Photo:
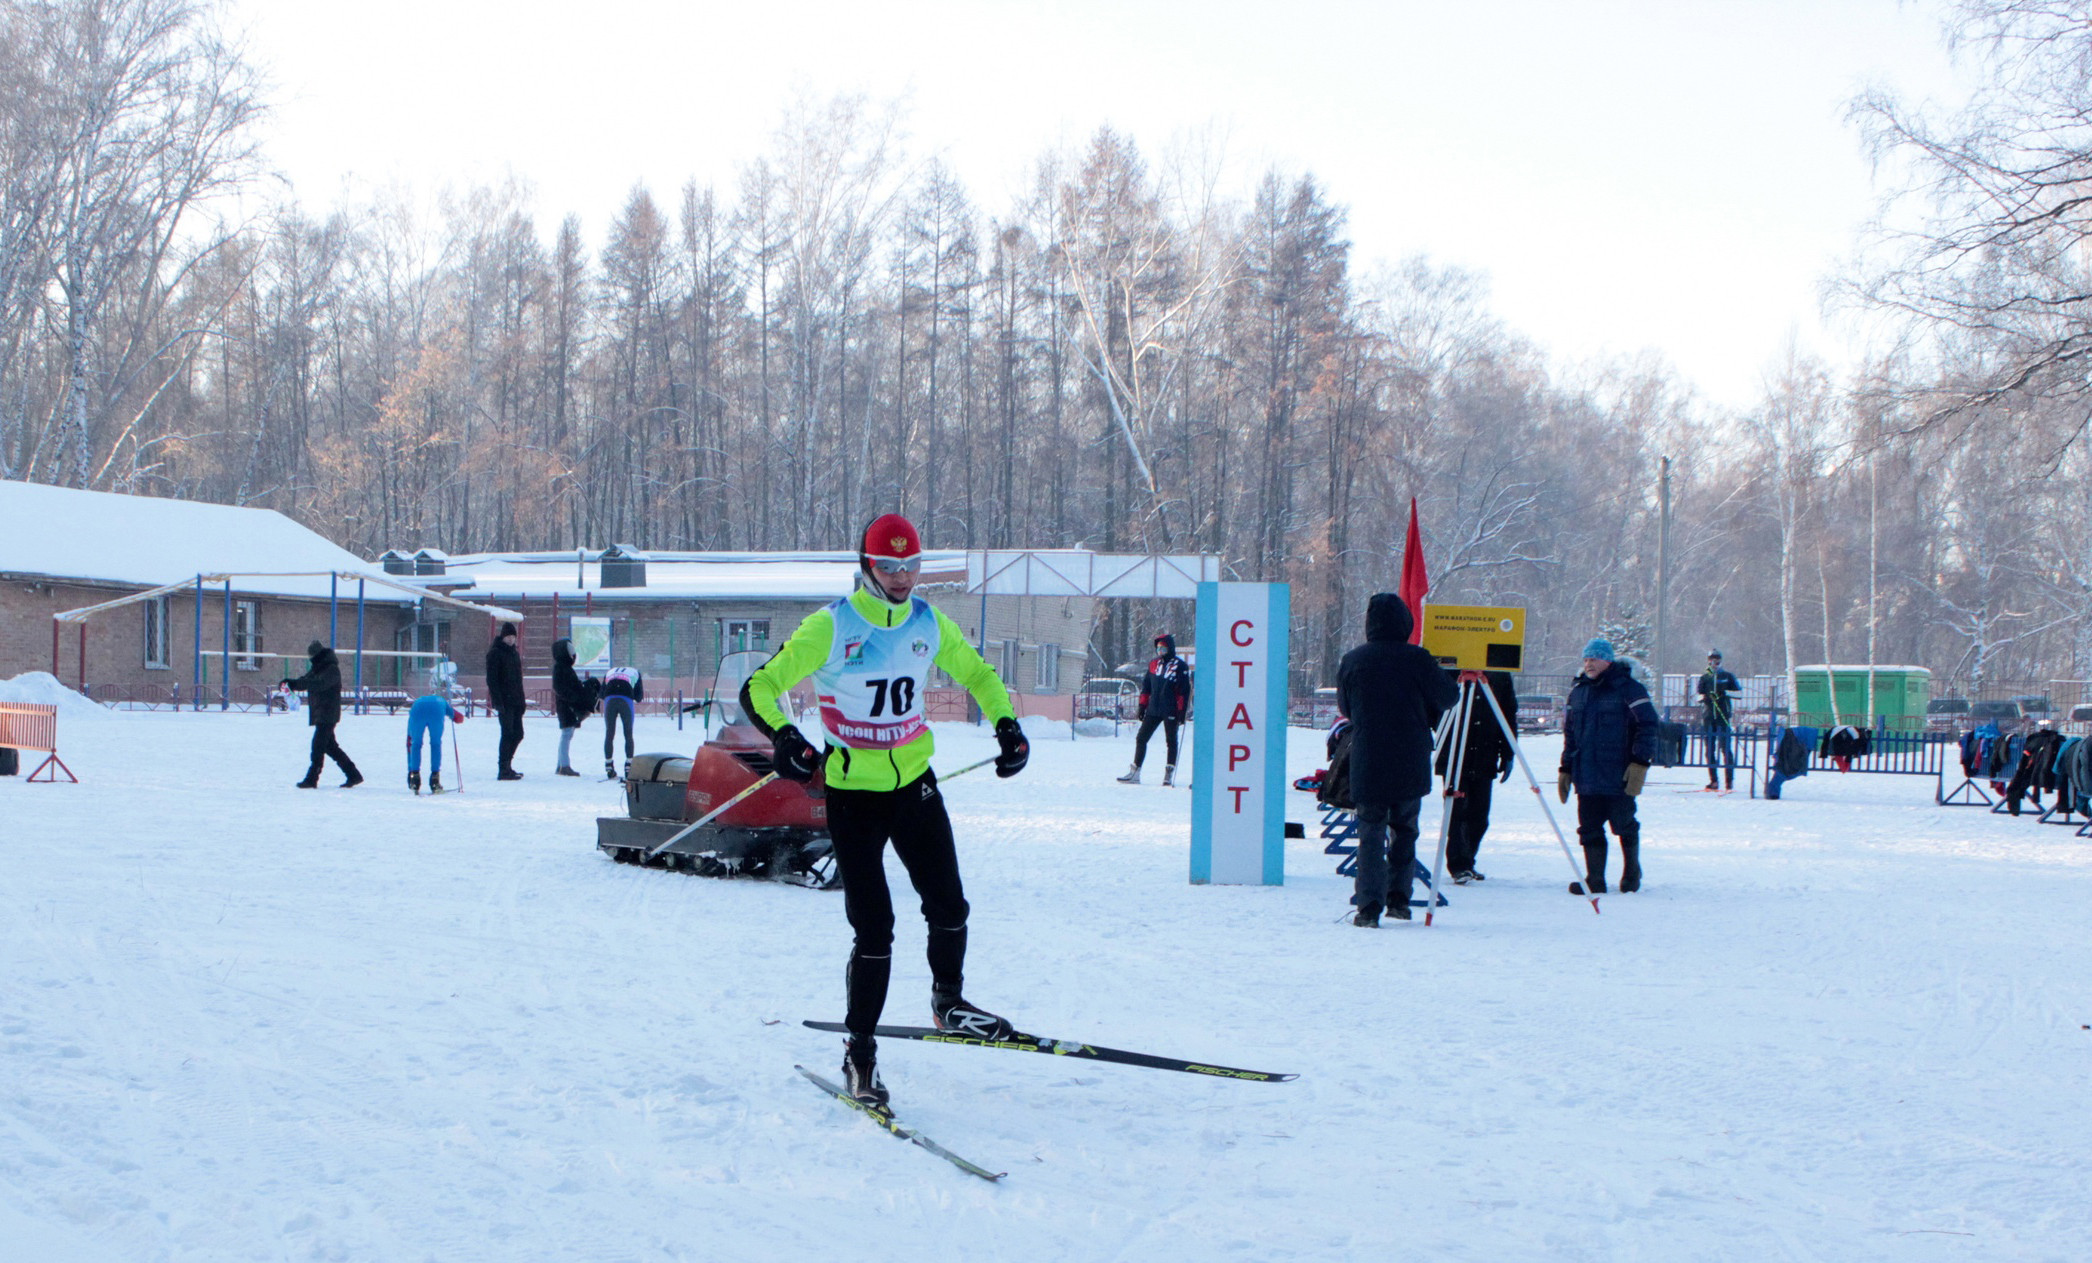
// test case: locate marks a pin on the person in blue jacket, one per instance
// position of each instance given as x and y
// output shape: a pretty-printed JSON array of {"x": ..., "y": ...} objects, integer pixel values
[
  {"x": 1608, "y": 743},
  {"x": 425, "y": 720}
]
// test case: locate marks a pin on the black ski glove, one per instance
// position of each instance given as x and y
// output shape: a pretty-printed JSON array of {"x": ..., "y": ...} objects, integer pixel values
[
  {"x": 1016, "y": 751},
  {"x": 793, "y": 756},
  {"x": 1505, "y": 763}
]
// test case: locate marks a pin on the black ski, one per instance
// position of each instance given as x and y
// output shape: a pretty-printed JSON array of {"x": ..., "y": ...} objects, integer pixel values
[
  {"x": 885, "y": 1118},
  {"x": 1065, "y": 1048}
]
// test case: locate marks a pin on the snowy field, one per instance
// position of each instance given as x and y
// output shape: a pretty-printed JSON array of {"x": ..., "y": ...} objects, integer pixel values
[{"x": 246, "y": 1022}]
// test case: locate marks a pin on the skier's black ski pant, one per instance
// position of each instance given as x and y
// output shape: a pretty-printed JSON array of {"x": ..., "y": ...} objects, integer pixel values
[
  {"x": 325, "y": 747},
  {"x": 1147, "y": 729},
  {"x": 616, "y": 709},
  {"x": 861, "y": 822},
  {"x": 511, "y": 735},
  {"x": 1469, "y": 822}
]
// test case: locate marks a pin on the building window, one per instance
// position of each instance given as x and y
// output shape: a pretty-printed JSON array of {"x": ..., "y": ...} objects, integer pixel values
[
  {"x": 1049, "y": 670},
  {"x": 743, "y": 634},
  {"x": 159, "y": 654},
  {"x": 246, "y": 634},
  {"x": 1008, "y": 669}
]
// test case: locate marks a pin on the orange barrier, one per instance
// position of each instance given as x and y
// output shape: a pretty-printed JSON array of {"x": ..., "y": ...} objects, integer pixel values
[{"x": 28, "y": 726}]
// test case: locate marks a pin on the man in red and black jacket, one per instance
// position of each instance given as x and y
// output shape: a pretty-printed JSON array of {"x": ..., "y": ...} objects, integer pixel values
[{"x": 1165, "y": 698}]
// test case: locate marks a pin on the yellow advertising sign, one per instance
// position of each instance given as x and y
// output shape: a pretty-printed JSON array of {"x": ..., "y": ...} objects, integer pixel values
[{"x": 1475, "y": 637}]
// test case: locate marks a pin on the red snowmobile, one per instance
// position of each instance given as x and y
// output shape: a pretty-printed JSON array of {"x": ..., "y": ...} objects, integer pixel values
[{"x": 780, "y": 832}]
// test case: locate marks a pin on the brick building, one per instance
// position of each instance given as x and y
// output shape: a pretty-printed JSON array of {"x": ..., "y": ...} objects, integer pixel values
[
  {"x": 675, "y": 614},
  {"x": 62, "y": 549}
]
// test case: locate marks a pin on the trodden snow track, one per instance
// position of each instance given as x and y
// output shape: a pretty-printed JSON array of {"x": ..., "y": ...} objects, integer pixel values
[{"x": 246, "y": 1022}]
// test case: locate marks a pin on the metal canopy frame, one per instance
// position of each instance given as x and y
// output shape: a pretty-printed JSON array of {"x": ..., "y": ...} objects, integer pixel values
[{"x": 1079, "y": 572}]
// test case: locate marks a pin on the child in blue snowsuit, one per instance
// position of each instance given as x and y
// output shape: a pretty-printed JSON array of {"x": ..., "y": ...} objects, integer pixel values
[{"x": 425, "y": 719}]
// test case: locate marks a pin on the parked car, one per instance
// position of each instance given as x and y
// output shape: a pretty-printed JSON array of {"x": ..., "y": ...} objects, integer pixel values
[
  {"x": 2006, "y": 714},
  {"x": 1946, "y": 714},
  {"x": 2034, "y": 707},
  {"x": 1539, "y": 712},
  {"x": 2081, "y": 718},
  {"x": 1108, "y": 697}
]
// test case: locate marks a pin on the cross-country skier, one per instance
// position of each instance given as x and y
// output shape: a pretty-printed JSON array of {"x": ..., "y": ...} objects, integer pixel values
[
  {"x": 573, "y": 698},
  {"x": 623, "y": 690},
  {"x": 1718, "y": 690},
  {"x": 322, "y": 687},
  {"x": 1165, "y": 698},
  {"x": 425, "y": 719},
  {"x": 870, "y": 655}
]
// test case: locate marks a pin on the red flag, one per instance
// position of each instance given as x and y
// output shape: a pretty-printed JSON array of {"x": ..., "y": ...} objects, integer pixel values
[{"x": 1415, "y": 583}]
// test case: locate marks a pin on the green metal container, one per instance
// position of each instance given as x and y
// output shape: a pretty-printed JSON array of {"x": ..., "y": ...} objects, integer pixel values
[{"x": 1837, "y": 694}]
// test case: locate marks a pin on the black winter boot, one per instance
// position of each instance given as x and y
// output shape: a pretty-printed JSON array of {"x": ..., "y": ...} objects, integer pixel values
[
  {"x": 861, "y": 1072},
  {"x": 1367, "y": 917},
  {"x": 1594, "y": 870},
  {"x": 1630, "y": 865}
]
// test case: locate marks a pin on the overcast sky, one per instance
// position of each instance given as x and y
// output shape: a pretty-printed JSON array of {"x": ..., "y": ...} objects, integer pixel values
[{"x": 1672, "y": 175}]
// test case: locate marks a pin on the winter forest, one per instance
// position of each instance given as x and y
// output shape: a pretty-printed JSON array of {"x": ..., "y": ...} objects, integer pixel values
[{"x": 1136, "y": 355}]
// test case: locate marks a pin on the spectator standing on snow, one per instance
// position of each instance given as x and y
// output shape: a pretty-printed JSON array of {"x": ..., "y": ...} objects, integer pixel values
[
  {"x": 573, "y": 698},
  {"x": 505, "y": 695},
  {"x": 425, "y": 720},
  {"x": 1393, "y": 693},
  {"x": 623, "y": 690},
  {"x": 322, "y": 688},
  {"x": 1488, "y": 759},
  {"x": 1608, "y": 743},
  {"x": 870, "y": 654},
  {"x": 1718, "y": 690},
  {"x": 1165, "y": 698}
]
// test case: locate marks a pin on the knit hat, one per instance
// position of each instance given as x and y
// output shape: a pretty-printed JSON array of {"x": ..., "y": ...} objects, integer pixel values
[
  {"x": 1599, "y": 647},
  {"x": 507, "y": 629}
]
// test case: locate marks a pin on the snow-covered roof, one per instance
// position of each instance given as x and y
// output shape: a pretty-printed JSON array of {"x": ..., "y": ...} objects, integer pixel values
[
  {"x": 61, "y": 533},
  {"x": 1861, "y": 666},
  {"x": 678, "y": 576}
]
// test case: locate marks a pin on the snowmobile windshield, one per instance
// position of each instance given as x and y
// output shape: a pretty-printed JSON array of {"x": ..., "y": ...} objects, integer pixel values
[{"x": 734, "y": 670}]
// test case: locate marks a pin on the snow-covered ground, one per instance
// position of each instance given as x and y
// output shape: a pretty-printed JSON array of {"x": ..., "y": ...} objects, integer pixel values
[{"x": 242, "y": 1021}]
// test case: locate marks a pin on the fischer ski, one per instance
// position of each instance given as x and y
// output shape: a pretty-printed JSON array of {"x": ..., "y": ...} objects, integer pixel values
[
  {"x": 894, "y": 1126},
  {"x": 1065, "y": 1048}
]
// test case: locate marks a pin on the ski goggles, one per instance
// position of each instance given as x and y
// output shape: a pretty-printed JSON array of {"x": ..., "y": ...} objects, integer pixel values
[{"x": 897, "y": 565}]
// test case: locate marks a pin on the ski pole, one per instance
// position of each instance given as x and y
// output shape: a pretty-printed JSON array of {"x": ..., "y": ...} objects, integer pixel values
[
  {"x": 457, "y": 760},
  {"x": 968, "y": 768},
  {"x": 710, "y": 816},
  {"x": 1540, "y": 797}
]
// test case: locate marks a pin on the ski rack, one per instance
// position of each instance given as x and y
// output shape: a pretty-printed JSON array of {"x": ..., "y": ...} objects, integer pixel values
[{"x": 1340, "y": 828}]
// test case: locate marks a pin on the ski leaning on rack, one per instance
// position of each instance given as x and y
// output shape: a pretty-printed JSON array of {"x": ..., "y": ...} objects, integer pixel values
[
  {"x": 1065, "y": 1048},
  {"x": 894, "y": 1126}
]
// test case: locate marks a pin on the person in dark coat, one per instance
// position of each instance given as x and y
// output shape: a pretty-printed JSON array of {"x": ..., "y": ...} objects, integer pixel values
[
  {"x": 1718, "y": 690},
  {"x": 1165, "y": 698},
  {"x": 1608, "y": 743},
  {"x": 322, "y": 688},
  {"x": 573, "y": 698},
  {"x": 1393, "y": 693},
  {"x": 505, "y": 695},
  {"x": 1488, "y": 759}
]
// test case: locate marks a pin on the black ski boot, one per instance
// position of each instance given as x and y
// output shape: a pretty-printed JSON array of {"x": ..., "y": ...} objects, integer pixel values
[
  {"x": 952, "y": 1013},
  {"x": 861, "y": 1072},
  {"x": 1594, "y": 868},
  {"x": 435, "y": 782},
  {"x": 609, "y": 770},
  {"x": 1367, "y": 917},
  {"x": 1630, "y": 866},
  {"x": 414, "y": 781}
]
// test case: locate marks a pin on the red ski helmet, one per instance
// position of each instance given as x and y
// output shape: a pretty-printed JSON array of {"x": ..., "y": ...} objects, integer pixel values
[{"x": 890, "y": 538}]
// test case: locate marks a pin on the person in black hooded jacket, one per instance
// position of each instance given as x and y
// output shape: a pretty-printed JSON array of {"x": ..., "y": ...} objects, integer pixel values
[
  {"x": 322, "y": 688},
  {"x": 1394, "y": 694},
  {"x": 573, "y": 698},
  {"x": 505, "y": 695}
]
